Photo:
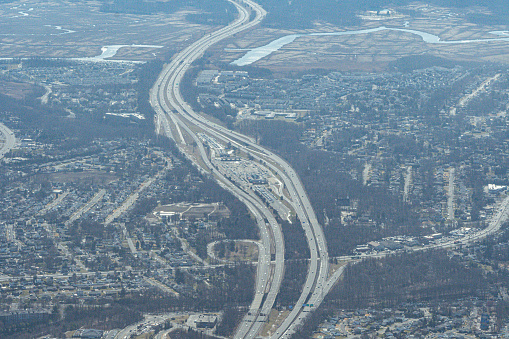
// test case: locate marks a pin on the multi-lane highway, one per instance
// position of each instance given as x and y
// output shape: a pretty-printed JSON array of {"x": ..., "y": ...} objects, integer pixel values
[
  {"x": 166, "y": 99},
  {"x": 9, "y": 140},
  {"x": 172, "y": 109},
  {"x": 178, "y": 120}
]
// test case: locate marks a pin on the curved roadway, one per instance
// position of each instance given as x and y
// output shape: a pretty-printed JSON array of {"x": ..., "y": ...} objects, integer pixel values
[
  {"x": 9, "y": 140},
  {"x": 168, "y": 102},
  {"x": 165, "y": 97},
  {"x": 169, "y": 105}
]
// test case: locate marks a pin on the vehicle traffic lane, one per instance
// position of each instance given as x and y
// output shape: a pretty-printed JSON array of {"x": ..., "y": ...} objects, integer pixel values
[
  {"x": 302, "y": 213},
  {"x": 9, "y": 140},
  {"x": 181, "y": 64},
  {"x": 175, "y": 81}
]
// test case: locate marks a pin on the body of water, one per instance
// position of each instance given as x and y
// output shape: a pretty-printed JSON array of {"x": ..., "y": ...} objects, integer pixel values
[
  {"x": 263, "y": 51},
  {"x": 111, "y": 51}
]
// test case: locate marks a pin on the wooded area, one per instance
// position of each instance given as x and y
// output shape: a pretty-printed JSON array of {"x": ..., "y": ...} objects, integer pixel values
[
  {"x": 420, "y": 276},
  {"x": 329, "y": 185}
]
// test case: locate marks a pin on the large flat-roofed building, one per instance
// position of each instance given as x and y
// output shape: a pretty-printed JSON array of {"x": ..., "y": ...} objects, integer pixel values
[
  {"x": 88, "y": 333},
  {"x": 202, "y": 320},
  {"x": 205, "y": 77}
]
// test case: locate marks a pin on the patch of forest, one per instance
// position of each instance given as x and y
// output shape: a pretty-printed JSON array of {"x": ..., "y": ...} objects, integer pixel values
[
  {"x": 423, "y": 61},
  {"x": 329, "y": 184},
  {"x": 293, "y": 281},
  {"x": 431, "y": 278},
  {"x": 409, "y": 277}
]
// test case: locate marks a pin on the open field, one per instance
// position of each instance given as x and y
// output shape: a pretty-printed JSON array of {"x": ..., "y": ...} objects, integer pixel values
[
  {"x": 16, "y": 90},
  {"x": 275, "y": 320},
  {"x": 60, "y": 28},
  {"x": 373, "y": 51},
  {"x": 96, "y": 177},
  {"x": 244, "y": 251}
]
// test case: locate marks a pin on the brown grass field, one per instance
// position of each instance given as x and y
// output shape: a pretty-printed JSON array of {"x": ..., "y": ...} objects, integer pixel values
[
  {"x": 29, "y": 28},
  {"x": 373, "y": 51}
]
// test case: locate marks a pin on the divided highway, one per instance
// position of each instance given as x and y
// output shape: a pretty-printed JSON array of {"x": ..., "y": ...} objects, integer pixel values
[
  {"x": 180, "y": 122},
  {"x": 9, "y": 142}
]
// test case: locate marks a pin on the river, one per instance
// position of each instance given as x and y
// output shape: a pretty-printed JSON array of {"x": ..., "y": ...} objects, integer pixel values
[{"x": 263, "y": 51}]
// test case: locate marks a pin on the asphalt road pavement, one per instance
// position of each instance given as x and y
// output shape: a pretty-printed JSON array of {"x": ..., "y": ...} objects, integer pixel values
[{"x": 9, "y": 140}]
